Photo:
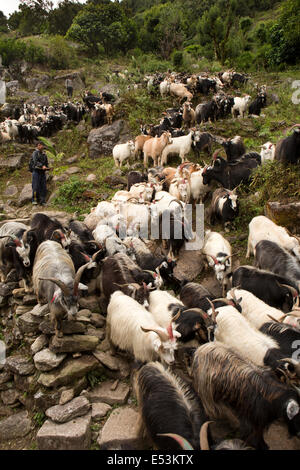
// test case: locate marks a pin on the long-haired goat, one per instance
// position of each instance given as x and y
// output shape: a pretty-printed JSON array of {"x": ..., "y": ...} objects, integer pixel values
[
  {"x": 55, "y": 282},
  {"x": 227, "y": 383},
  {"x": 166, "y": 405},
  {"x": 132, "y": 328}
]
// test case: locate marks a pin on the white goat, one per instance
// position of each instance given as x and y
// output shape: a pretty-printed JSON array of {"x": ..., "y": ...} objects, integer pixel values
[
  {"x": 132, "y": 328},
  {"x": 258, "y": 312},
  {"x": 197, "y": 188},
  {"x": 142, "y": 191},
  {"x": 159, "y": 301},
  {"x": 180, "y": 189},
  {"x": 164, "y": 88},
  {"x": 240, "y": 105},
  {"x": 107, "y": 236},
  {"x": 262, "y": 228},
  {"x": 180, "y": 146},
  {"x": 267, "y": 152},
  {"x": 235, "y": 331},
  {"x": 123, "y": 152},
  {"x": 218, "y": 254}
]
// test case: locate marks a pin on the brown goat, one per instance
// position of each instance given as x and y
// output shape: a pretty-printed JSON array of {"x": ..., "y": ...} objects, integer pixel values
[
  {"x": 139, "y": 144},
  {"x": 188, "y": 114},
  {"x": 154, "y": 147}
]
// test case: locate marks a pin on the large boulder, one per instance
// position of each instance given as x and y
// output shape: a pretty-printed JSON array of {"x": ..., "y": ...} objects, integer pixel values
[
  {"x": 287, "y": 215},
  {"x": 19, "y": 365},
  {"x": 26, "y": 195},
  {"x": 102, "y": 140},
  {"x": 13, "y": 162},
  {"x": 36, "y": 83},
  {"x": 12, "y": 87},
  {"x": 73, "y": 409},
  {"x": 73, "y": 343},
  {"x": 33, "y": 98},
  {"x": 106, "y": 392},
  {"x": 78, "y": 83}
]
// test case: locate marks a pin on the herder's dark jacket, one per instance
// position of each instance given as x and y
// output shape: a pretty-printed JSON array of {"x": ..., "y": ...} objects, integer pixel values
[{"x": 39, "y": 160}]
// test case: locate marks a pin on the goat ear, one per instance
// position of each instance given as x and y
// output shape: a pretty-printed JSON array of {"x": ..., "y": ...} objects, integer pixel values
[
  {"x": 82, "y": 286},
  {"x": 156, "y": 344},
  {"x": 176, "y": 334}
]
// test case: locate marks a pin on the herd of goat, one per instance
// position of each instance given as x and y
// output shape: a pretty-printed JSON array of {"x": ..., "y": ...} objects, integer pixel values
[{"x": 240, "y": 350}]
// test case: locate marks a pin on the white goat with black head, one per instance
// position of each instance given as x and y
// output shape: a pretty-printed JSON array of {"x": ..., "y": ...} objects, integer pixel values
[{"x": 218, "y": 254}]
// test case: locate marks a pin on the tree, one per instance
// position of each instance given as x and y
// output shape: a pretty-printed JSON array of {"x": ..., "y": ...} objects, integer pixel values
[
  {"x": 45, "y": 5},
  {"x": 285, "y": 35},
  {"x": 29, "y": 19},
  {"x": 162, "y": 30},
  {"x": 103, "y": 24},
  {"x": 3, "y": 23},
  {"x": 60, "y": 19},
  {"x": 215, "y": 26}
]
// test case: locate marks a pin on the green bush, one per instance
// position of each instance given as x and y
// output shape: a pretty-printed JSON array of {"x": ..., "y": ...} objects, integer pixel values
[
  {"x": 13, "y": 50},
  {"x": 245, "y": 61},
  {"x": 177, "y": 58},
  {"x": 59, "y": 54},
  {"x": 194, "y": 50},
  {"x": 70, "y": 195},
  {"x": 273, "y": 178},
  {"x": 149, "y": 63}
]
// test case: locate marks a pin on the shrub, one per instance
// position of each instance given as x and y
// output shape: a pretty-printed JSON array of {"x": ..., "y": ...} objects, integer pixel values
[
  {"x": 13, "y": 50},
  {"x": 245, "y": 61},
  {"x": 59, "y": 54},
  {"x": 70, "y": 195},
  {"x": 194, "y": 50},
  {"x": 177, "y": 58}
]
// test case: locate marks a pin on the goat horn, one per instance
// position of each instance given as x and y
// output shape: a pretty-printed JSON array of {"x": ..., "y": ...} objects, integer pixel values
[
  {"x": 176, "y": 316},
  {"x": 204, "y": 445},
  {"x": 78, "y": 276},
  {"x": 214, "y": 313},
  {"x": 58, "y": 282},
  {"x": 229, "y": 256},
  {"x": 293, "y": 291},
  {"x": 14, "y": 238},
  {"x": 295, "y": 125},
  {"x": 213, "y": 257},
  {"x": 95, "y": 255},
  {"x": 163, "y": 336},
  {"x": 279, "y": 320},
  {"x": 216, "y": 154},
  {"x": 184, "y": 444}
]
